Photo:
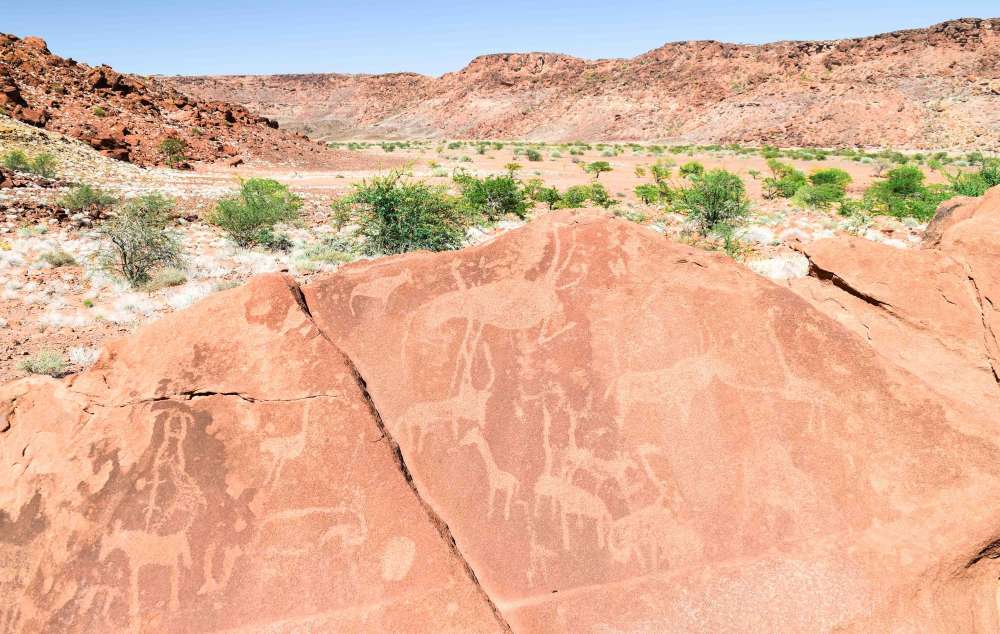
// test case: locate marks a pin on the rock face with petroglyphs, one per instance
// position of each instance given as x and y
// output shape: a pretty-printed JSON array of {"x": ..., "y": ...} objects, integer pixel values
[
  {"x": 223, "y": 469},
  {"x": 579, "y": 426}
]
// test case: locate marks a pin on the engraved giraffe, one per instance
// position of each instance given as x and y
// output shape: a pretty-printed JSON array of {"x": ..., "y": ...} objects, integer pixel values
[{"x": 499, "y": 480}]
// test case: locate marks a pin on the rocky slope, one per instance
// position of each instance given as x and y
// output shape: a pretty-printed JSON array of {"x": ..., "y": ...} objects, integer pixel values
[
  {"x": 127, "y": 117},
  {"x": 579, "y": 426},
  {"x": 925, "y": 88}
]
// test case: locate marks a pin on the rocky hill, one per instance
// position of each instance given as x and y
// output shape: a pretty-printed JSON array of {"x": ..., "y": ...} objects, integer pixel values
[
  {"x": 925, "y": 88},
  {"x": 579, "y": 426},
  {"x": 128, "y": 117}
]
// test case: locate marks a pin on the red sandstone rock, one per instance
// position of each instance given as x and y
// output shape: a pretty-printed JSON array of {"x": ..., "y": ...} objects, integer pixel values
[
  {"x": 934, "y": 311},
  {"x": 619, "y": 433},
  {"x": 630, "y": 435},
  {"x": 229, "y": 475},
  {"x": 74, "y": 99}
]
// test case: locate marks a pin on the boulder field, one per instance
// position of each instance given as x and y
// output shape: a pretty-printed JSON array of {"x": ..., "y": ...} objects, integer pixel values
[{"x": 579, "y": 426}]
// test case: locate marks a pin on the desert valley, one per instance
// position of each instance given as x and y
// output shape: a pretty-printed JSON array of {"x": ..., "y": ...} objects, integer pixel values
[{"x": 703, "y": 340}]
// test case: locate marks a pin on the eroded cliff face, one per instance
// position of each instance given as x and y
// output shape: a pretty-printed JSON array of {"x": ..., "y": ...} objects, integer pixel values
[
  {"x": 923, "y": 88},
  {"x": 579, "y": 426},
  {"x": 128, "y": 117}
]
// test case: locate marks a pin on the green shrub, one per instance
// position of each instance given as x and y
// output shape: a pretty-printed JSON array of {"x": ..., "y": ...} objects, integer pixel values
[
  {"x": 818, "y": 196},
  {"x": 903, "y": 194},
  {"x": 976, "y": 183},
  {"x": 574, "y": 197},
  {"x": 173, "y": 149},
  {"x": 46, "y": 362},
  {"x": 784, "y": 181},
  {"x": 717, "y": 197},
  {"x": 600, "y": 197},
  {"x": 990, "y": 172},
  {"x": 86, "y": 198},
  {"x": 136, "y": 240},
  {"x": 16, "y": 160},
  {"x": 44, "y": 165},
  {"x": 692, "y": 170},
  {"x": 99, "y": 111},
  {"x": 58, "y": 258},
  {"x": 249, "y": 217},
  {"x": 597, "y": 168},
  {"x": 647, "y": 193},
  {"x": 830, "y": 176},
  {"x": 533, "y": 155},
  {"x": 548, "y": 195},
  {"x": 396, "y": 216},
  {"x": 493, "y": 197},
  {"x": 968, "y": 184}
]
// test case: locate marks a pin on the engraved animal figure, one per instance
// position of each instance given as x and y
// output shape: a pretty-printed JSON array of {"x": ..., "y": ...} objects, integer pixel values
[{"x": 499, "y": 479}]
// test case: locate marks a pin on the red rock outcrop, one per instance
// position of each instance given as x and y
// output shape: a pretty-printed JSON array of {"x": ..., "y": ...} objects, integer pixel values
[
  {"x": 224, "y": 477},
  {"x": 579, "y": 426},
  {"x": 127, "y": 117},
  {"x": 934, "y": 87},
  {"x": 934, "y": 311}
]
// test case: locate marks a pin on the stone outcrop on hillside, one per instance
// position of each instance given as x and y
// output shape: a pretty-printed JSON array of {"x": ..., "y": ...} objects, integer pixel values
[
  {"x": 128, "y": 117},
  {"x": 929, "y": 88},
  {"x": 579, "y": 426}
]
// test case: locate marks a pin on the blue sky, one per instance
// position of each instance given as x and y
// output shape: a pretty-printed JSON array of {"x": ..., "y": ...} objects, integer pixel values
[{"x": 430, "y": 36}]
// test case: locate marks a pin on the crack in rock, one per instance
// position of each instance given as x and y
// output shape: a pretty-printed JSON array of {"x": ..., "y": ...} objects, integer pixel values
[{"x": 397, "y": 454}]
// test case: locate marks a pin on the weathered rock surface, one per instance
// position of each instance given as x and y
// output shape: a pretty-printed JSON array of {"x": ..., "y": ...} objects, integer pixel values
[
  {"x": 619, "y": 433},
  {"x": 934, "y": 311},
  {"x": 222, "y": 470},
  {"x": 935, "y": 87}
]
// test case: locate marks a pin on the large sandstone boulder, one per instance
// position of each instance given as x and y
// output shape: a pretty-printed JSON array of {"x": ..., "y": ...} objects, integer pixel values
[
  {"x": 629, "y": 435},
  {"x": 577, "y": 427},
  {"x": 934, "y": 311},
  {"x": 222, "y": 470}
]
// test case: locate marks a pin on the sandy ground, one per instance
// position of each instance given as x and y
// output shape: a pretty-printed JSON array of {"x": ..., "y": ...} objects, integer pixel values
[{"x": 71, "y": 309}]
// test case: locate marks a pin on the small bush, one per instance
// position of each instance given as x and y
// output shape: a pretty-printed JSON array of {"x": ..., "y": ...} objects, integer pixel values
[
  {"x": 173, "y": 149},
  {"x": 647, "y": 193},
  {"x": 165, "y": 278},
  {"x": 249, "y": 217},
  {"x": 784, "y": 181},
  {"x": 58, "y": 258},
  {"x": 16, "y": 160},
  {"x": 818, "y": 196},
  {"x": 137, "y": 240},
  {"x": 46, "y": 362},
  {"x": 597, "y": 168},
  {"x": 692, "y": 170},
  {"x": 717, "y": 197},
  {"x": 332, "y": 251},
  {"x": 968, "y": 184},
  {"x": 86, "y": 198},
  {"x": 903, "y": 194},
  {"x": 493, "y": 197},
  {"x": 99, "y": 112},
  {"x": 574, "y": 197},
  {"x": 533, "y": 155},
  {"x": 830, "y": 176},
  {"x": 599, "y": 196},
  {"x": 547, "y": 195},
  {"x": 396, "y": 216},
  {"x": 44, "y": 165}
]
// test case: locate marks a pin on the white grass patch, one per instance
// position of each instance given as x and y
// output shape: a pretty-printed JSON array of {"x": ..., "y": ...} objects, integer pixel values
[
  {"x": 84, "y": 356},
  {"x": 189, "y": 294}
]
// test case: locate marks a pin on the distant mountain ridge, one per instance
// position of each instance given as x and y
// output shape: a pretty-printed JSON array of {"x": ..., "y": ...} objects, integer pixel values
[{"x": 921, "y": 88}]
